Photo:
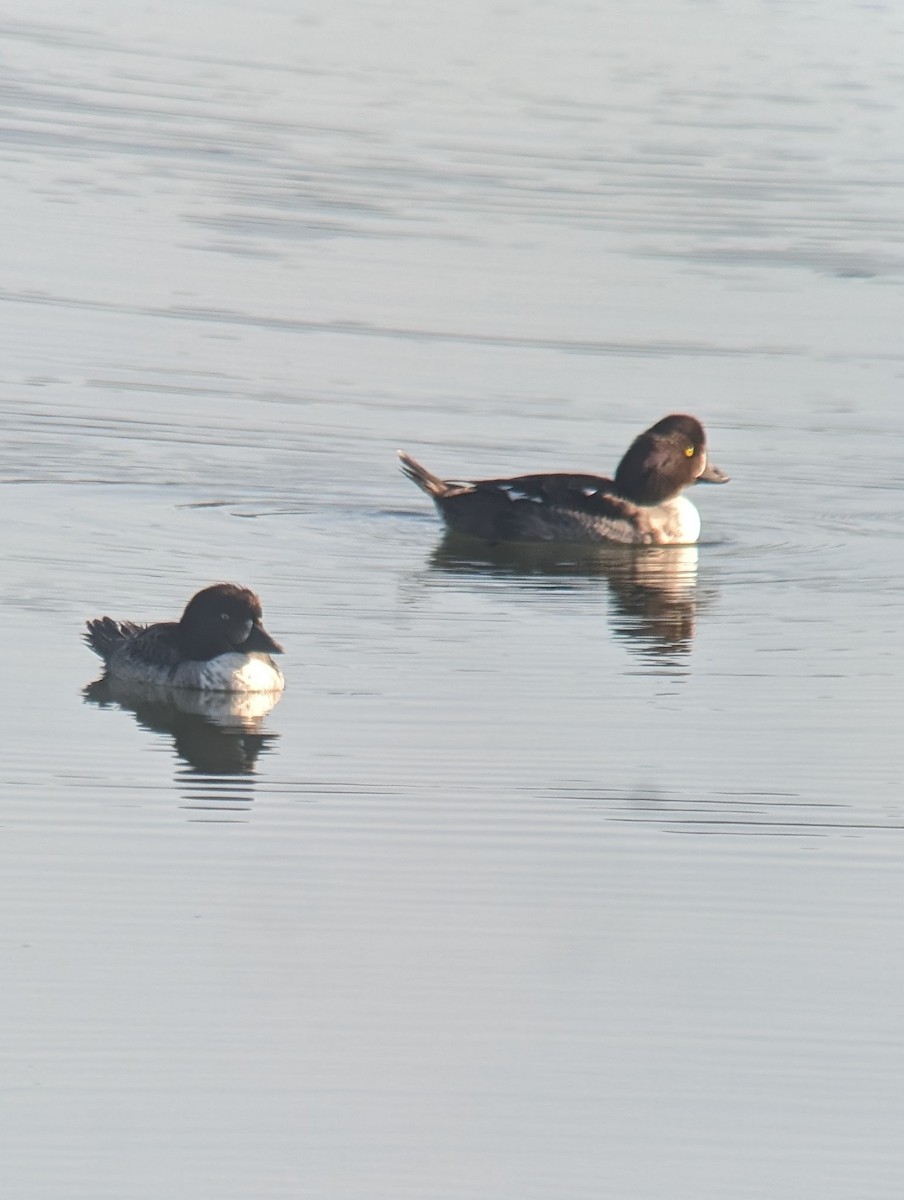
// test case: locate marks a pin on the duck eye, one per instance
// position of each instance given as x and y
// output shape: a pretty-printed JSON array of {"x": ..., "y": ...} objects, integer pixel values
[
  {"x": 689, "y": 452},
  {"x": 224, "y": 616}
]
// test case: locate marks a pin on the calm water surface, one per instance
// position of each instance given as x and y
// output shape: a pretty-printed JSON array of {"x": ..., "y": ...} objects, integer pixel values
[{"x": 549, "y": 876}]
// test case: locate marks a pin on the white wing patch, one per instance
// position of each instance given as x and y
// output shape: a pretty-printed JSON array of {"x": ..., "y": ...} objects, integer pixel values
[
  {"x": 589, "y": 491},
  {"x": 514, "y": 493}
]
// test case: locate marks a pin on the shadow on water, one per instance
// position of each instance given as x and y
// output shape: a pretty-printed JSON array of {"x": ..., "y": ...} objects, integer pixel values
[
  {"x": 653, "y": 588},
  {"x": 215, "y": 734}
]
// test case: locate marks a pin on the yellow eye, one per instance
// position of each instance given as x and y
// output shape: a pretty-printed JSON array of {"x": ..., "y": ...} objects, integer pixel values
[{"x": 689, "y": 452}]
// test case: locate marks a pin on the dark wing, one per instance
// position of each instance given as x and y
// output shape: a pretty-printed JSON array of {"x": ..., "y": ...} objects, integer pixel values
[
  {"x": 593, "y": 495},
  {"x": 154, "y": 644},
  {"x": 589, "y": 502}
]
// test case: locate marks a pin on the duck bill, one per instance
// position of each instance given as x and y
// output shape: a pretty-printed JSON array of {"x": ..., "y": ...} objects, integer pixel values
[
  {"x": 713, "y": 474},
  {"x": 259, "y": 639}
]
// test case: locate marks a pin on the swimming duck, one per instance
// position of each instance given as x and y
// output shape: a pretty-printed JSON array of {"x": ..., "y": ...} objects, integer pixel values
[
  {"x": 642, "y": 505},
  {"x": 219, "y": 644}
]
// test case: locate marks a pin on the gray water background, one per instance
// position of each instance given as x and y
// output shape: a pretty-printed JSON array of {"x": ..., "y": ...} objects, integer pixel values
[{"x": 546, "y": 878}]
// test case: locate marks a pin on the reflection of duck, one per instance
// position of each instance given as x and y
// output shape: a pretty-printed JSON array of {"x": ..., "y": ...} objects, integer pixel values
[
  {"x": 219, "y": 645},
  {"x": 216, "y": 733},
  {"x": 642, "y": 505},
  {"x": 654, "y": 588},
  {"x": 656, "y": 598}
]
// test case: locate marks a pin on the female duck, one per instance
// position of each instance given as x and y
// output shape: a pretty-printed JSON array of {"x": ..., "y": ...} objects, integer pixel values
[
  {"x": 642, "y": 505},
  {"x": 219, "y": 644}
]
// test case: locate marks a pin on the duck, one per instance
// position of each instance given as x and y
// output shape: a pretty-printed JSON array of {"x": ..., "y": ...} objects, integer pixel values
[
  {"x": 642, "y": 506},
  {"x": 219, "y": 644}
]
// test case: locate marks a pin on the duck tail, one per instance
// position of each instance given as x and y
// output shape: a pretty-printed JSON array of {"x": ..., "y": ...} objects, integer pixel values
[
  {"x": 427, "y": 482},
  {"x": 105, "y": 636}
]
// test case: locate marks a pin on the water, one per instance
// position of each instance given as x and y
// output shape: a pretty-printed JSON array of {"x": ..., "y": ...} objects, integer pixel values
[{"x": 548, "y": 876}]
